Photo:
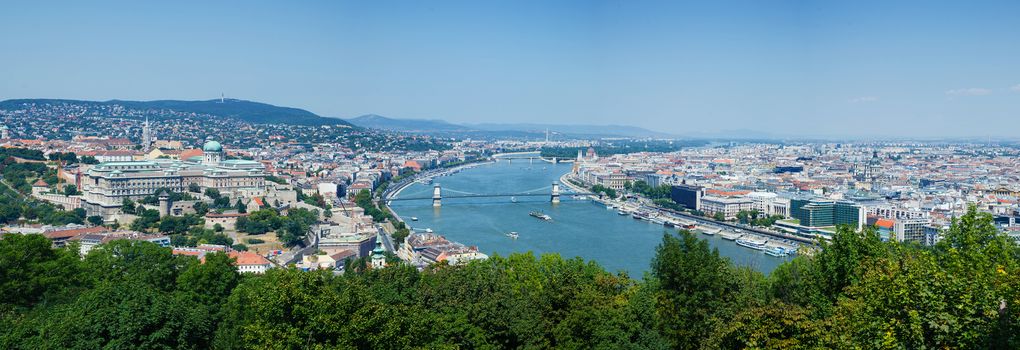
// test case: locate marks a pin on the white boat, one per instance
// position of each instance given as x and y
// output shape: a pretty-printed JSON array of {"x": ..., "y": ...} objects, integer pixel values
[
  {"x": 512, "y": 234},
  {"x": 513, "y": 199},
  {"x": 414, "y": 218},
  {"x": 730, "y": 236},
  {"x": 622, "y": 212},
  {"x": 778, "y": 252},
  {"x": 753, "y": 243},
  {"x": 428, "y": 230},
  {"x": 540, "y": 215},
  {"x": 710, "y": 231},
  {"x": 656, "y": 220}
]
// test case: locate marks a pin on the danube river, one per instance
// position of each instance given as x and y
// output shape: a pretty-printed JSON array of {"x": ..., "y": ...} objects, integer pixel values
[{"x": 579, "y": 228}]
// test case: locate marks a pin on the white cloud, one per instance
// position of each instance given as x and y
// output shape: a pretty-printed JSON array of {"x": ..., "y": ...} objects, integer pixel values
[
  {"x": 1015, "y": 88},
  {"x": 969, "y": 92},
  {"x": 863, "y": 99}
]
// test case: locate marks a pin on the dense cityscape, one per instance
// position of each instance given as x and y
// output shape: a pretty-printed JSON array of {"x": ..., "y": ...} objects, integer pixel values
[
  {"x": 510, "y": 175},
  {"x": 287, "y": 201}
]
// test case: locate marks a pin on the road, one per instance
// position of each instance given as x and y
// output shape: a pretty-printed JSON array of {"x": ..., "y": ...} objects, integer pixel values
[
  {"x": 292, "y": 256},
  {"x": 386, "y": 239}
]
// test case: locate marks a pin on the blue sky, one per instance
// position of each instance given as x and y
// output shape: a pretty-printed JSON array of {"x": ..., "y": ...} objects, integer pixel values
[{"x": 807, "y": 68}]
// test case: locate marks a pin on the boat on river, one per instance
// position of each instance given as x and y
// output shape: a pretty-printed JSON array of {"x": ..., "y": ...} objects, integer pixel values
[
  {"x": 730, "y": 236},
  {"x": 778, "y": 252},
  {"x": 540, "y": 215},
  {"x": 512, "y": 234},
  {"x": 414, "y": 218},
  {"x": 756, "y": 243},
  {"x": 710, "y": 231}
]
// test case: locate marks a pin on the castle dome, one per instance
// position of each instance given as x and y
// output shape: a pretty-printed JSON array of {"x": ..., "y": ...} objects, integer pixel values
[{"x": 212, "y": 146}]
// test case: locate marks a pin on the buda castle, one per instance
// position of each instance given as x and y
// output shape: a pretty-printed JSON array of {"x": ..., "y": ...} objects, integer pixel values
[{"x": 106, "y": 185}]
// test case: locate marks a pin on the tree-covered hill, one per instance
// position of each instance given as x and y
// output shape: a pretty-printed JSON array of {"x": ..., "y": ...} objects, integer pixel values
[
  {"x": 857, "y": 293},
  {"x": 249, "y": 111}
]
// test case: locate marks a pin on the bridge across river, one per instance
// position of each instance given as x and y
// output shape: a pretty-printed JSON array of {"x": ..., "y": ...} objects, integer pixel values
[{"x": 437, "y": 194}]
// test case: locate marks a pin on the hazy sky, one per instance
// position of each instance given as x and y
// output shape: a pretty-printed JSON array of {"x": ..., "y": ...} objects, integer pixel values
[{"x": 797, "y": 67}]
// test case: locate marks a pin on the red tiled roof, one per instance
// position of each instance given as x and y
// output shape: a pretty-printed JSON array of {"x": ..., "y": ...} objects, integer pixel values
[
  {"x": 190, "y": 153},
  {"x": 885, "y": 223},
  {"x": 249, "y": 258},
  {"x": 58, "y": 234},
  {"x": 40, "y": 183}
]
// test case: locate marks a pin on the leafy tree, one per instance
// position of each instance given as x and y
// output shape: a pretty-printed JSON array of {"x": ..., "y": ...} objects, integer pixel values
[
  {"x": 694, "y": 284},
  {"x": 201, "y": 208},
  {"x": 30, "y": 271},
  {"x": 212, "y": 193},
  {"x": 241, "y": 208},
  {"x": 719, "y": 216},
  {"x": 95, "y": 220},
  {"x": 71, "y": 190},
  {"x": 127, "y": 206}
]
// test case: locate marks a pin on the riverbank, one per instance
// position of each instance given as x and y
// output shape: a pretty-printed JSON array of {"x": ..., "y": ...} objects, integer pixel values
[
  {"x": 565, "y": 179},
  {"x": 579, "y": 228},
  {"x": 428, "y": 175}
]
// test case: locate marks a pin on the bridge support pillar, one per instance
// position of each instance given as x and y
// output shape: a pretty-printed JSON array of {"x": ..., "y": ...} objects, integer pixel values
[
  {"x": 437, "y": 197},
  {"x": 555, "y": 193}
]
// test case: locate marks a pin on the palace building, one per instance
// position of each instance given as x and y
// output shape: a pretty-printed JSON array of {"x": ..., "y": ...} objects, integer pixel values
[{"x": 106, "y": 185}]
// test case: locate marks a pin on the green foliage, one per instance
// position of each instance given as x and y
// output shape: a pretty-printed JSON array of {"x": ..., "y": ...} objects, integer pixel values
[
  {"x": 856, "y": 293},
  {"x": 23, "y": 153},
  {"x": 694, "y": 285},
  {"x": 364, "y": 200},
  {"x": 275, "y": 179},
  {"x": 290, "y": 229},
  {"x": 95, "y": 220},
  {"x": 401, "y": 234},
  {"x": 719, "y": 216},
  {"x": 609, "y": 192},
  {"x": 654, "y": 193},
  {"x": 153, "y": 198},
  {"x": 67, "y": 158},
  {"x": 30, "y": 271}
]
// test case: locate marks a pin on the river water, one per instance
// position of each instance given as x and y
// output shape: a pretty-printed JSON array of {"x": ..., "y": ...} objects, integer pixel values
[{"x": 579, "y": 228}]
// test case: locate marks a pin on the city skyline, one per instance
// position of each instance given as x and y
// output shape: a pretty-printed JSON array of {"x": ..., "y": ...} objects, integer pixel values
[{"x": 780, "y": 69}]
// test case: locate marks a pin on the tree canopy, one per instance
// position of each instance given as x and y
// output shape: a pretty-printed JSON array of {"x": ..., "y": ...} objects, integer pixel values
[{"x": 857, "y": 292}]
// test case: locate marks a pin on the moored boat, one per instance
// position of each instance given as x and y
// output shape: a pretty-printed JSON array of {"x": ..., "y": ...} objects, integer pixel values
[
  {"x": 709, "y": 231},
  {"x": 756, "y": 244},
  {"x": 730, "y": 236},
  {"x": 778, "y": 252}
]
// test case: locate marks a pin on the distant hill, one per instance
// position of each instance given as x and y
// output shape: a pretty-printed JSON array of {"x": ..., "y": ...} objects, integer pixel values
[
  {"x": 249, "y": 111},
  {"x": 585, "y": 130},
  {"x": 440, "y": 127},
  {"x": 406, "y": 125}
]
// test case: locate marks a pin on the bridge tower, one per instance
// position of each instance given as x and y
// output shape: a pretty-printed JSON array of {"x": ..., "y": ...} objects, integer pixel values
[
  {"x": 437, "y": 198},
  {"x": 555, "y": 193}
]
